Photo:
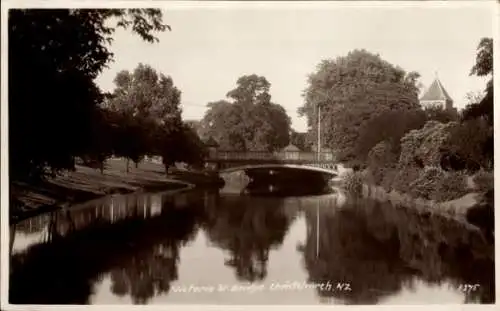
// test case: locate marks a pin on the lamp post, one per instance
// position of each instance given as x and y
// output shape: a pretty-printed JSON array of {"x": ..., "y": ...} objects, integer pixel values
[
  {"x": 326, "y": 97},
  {"x": 319, "y": 132}
]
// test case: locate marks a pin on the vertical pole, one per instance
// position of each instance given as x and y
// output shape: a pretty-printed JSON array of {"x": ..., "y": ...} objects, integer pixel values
[
  {"x": 319, "y": 133},
  {"x": 317, "y": 228},
  {"x": 12, "y": 237}
]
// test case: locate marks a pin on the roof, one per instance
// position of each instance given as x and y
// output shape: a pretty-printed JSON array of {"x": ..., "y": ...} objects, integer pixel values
[
  {"x": 436, "y": 92},
  {"x": 291, "y": 147}
]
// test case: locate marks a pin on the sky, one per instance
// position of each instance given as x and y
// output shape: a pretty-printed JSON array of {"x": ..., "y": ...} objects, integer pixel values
[{"x": 209, "y": 48}]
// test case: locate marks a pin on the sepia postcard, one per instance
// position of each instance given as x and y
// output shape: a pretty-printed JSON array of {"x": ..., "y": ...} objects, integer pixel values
[{"x": 223, "y": 154}]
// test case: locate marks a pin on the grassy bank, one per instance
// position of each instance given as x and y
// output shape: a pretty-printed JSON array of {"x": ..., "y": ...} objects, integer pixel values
[{"x": 87, "y": 183}]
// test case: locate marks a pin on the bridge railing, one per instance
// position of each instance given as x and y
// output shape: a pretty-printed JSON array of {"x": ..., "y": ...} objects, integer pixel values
[{"x": 262, "y": 155}]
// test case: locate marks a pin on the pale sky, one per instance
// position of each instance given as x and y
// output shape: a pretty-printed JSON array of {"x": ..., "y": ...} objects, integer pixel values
[{"x": 209, "y": 48}]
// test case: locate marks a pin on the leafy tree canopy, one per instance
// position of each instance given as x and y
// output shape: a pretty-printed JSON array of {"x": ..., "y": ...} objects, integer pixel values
[
  {"x": 300, "y": 140},
  {"x": 54, "y": 57},
  {"x": 147, "y": 94},
  {"x": 250, "y": 121},
  {"x": 483, "y": 67},
  {"x": 351, "y": 90}
]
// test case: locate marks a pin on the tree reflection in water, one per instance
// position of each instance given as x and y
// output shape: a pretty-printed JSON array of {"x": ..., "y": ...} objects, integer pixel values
[
  {"x": 380, "y": 249},
  {"x": 139, "y": 249},
  {"x": 248, "y": 228}
]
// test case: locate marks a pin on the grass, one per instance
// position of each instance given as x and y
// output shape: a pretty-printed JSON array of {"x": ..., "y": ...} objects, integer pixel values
[{"x": 87, "y": 183}]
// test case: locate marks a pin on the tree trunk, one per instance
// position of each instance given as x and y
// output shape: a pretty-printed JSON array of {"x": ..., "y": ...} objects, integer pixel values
[
  {"x": 12, "y": 237},
  {"x": 137, "y": 164},
  {"x": 128, "y": 161},
  {"x": 101, "y": 167}
]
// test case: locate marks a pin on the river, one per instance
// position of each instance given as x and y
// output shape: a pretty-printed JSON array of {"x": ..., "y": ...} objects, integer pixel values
[{"x": 202, "y": 247}]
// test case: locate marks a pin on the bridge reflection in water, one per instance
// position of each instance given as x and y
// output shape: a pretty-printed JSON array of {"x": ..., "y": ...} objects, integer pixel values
[
  {"x": 227, "y": 159},
  {"x": 142, "y": 248}
]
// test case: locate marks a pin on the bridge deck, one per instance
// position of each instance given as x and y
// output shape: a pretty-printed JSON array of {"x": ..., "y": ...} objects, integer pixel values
[{"x": 267, "y": 157}]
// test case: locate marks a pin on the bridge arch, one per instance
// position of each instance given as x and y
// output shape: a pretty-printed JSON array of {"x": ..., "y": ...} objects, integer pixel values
[{"x": 320, "y": 168}]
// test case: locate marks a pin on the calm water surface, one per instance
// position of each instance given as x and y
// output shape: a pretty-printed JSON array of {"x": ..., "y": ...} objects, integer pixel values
[{"x": 205, "y": 247}]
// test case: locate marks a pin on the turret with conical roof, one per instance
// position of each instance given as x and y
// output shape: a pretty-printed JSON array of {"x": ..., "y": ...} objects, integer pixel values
[{"x": 436, "y": 95}]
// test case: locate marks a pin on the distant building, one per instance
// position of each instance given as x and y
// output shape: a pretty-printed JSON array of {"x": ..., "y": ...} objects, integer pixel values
[
  {"x": 436, "y": 96},
  {"x": 326, "y": 153},
  {"x": 292, "y": 152}
]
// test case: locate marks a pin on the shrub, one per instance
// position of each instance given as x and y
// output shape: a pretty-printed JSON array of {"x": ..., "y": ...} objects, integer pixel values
[
  {"x": 426, "y": 144},
  {"x": 472, "y": 141},
  {"x": 381, "y": 155},
  {"x": 404, "y": 177},
  {"x": 353, "y": 182},
  {"x": 451, "y": 186},
  {"x": 484, "y": 181},
  {"x": 425, "y": 185}
]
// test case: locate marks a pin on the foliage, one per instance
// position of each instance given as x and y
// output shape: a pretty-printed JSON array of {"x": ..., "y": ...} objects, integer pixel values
[
  {"x": 105, "y": 134},
  {"x": 427, "y": 182},
  {"x": 451, "y": 186},
  {"x": 351, "y": 90},
  {"x": 146, "y": 94},
  {"x": 404, "y": 177},
  {"x": 484, "y": 58},
  {"x": 353, "y": 182},
  {"x": 191, "y": 149},
  {"x": 439, "y": 114},
  {"x": 484, "y": 180},
  {"x": 381, "y": 161},
  {"x": 51, "y": 109},
  {"x": 390, "y": 127},
  {"x": 132, "y": 137},
  {"x": 472, "y": 141},
  {"x": 149, "y": 104},
  {"x": 388, "y": 177},
  {"x": 300, "y": 141},
  {"x": 250, "y": 121},
  {"x": 483, "y": 67},
  {"x": 423, "y": 147},
  {"x": 381, "y": 155}
]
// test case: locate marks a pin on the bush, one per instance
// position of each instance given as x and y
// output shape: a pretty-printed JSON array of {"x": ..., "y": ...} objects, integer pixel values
[
  {"x": 353, "y": 182},
  {"x": 452, "y": 186},
  {"x": 425, "y": 185},
  {"x": 381, "y": 155},
  {"x": 404, "y": 177},
  {"x": 425, "y": 145},
  {"x": 484, "y": 181},
  {"x": 472, "y": 141}
]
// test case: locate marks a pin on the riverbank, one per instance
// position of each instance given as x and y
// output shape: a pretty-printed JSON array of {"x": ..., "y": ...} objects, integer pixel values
[
  {"x": 473, "y": 209},
  {"x": 87, "y": 183}
]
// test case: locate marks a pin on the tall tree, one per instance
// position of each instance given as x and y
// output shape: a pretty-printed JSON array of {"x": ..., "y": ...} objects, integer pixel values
[
  {"x": 388, "y": 128},
  {"x": 250, "y": 121},
  {"x": 51, "y": 108},
  {"x": 148, "y": 101},
  {"x": 299, "y": 140},
  {"x": 146, "y": 94},
  {"x": 351, "y": 90},
  {"x": 483, "y": 68}
]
